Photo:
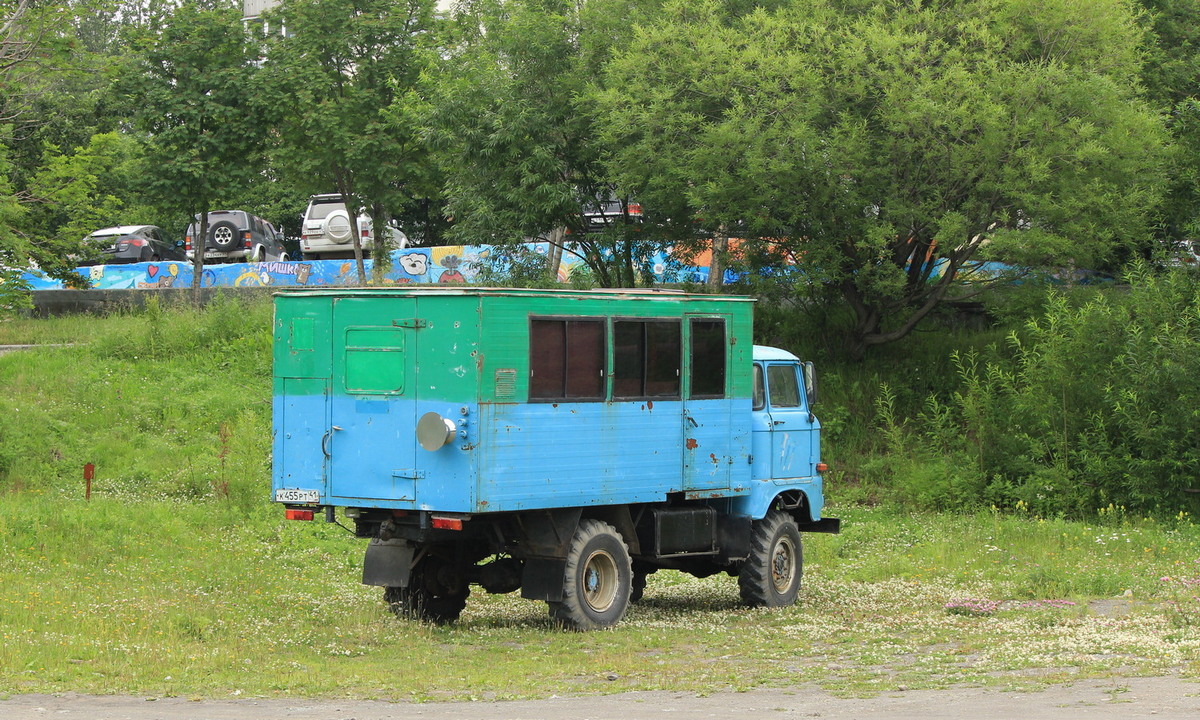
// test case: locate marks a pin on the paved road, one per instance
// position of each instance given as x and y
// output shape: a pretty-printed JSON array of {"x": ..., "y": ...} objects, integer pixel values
[{"x": 1119, "y": 699}]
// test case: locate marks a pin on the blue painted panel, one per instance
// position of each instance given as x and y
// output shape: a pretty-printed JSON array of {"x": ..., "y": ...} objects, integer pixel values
[
  {"x": 376, "y": 460},
  {"x": 715, "y": 444},
  {"x": 300, "y": 424},
  {"x": 568, "y": 454}
]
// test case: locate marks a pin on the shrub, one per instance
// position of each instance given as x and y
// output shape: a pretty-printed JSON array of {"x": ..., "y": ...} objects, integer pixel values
[{"x": 1088, "y": 407}]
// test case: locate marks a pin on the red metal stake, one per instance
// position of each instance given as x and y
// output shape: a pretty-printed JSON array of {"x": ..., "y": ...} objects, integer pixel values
[{"x": 89, "y": 472}]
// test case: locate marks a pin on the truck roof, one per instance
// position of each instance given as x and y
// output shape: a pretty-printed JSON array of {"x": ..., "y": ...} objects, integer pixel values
[
  {"x": 767, "y": 353},
  {"x": 459, "y": 290}
]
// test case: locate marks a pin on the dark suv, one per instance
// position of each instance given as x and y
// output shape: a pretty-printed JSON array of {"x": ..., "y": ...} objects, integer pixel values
[{"x": 237, "y": 235}]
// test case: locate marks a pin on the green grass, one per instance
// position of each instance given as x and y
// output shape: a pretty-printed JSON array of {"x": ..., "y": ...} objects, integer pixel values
[
  {"x": 206, "y": 599},
  {"x": 179, "y": 577}
]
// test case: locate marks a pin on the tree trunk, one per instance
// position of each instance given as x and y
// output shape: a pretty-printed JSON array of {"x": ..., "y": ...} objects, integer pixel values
[
  {"x": 381, "y": 244},
  {"x": 554, "y": 255},
  {"x": 355, "y": 232},
  {"x": 199, "y": 242},
  {"x": 716, "y": 267}
]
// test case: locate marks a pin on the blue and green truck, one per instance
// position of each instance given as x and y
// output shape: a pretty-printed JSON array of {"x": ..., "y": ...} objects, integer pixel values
[{"x": 563, "y": 443}]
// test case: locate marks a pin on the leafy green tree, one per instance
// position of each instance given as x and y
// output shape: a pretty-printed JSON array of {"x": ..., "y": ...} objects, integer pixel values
[
  {"x": 95, "y": 186},
  {"x": 204, "y": 116},
  {"x": 512, "y": 118},
  {"x": 883, "y": 147},
  {"x": 14, "y": 244},
  {"x": 336, "y": 79},
  {"x": 1171, "y": 76}
]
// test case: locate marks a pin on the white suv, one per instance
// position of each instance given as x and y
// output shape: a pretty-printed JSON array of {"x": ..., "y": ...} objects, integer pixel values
[{"x": 327, "y": 232}]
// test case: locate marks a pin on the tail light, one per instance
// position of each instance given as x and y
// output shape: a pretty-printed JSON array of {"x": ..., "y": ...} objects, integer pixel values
[
  {"x": 187, "y": 243},
  {"x": 635, "y": 209},
  {"x": 822, "y": 467},
  {"x": 300, "y": 514},
  {"x": 246, "y": 241},
  {"x": 138, "y": 242},
  {"x": 446, "y": 523}
]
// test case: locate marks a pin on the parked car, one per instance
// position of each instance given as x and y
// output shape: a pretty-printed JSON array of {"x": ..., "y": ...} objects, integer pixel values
[
  {"x": 237, "y": 235},
  {"x": 326, "y": 230},
  {"x": 606, "y": 213},
  {"x": 129, "y": 244}
]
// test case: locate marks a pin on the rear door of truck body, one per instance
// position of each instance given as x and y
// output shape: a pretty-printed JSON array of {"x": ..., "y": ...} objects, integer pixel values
[{"x": 371, "y": 443}]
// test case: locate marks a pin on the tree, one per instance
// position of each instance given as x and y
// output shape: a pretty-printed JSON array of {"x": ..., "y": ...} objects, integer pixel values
[
  {"x": 93, "y": 187},
  {"x": 336, "y": 80},
  {"x": 512, "y": 117},
  {"x": 203, "y": 114},
  {"x": 885, "y": 146},
  {"x": 1171, "y": 76}
]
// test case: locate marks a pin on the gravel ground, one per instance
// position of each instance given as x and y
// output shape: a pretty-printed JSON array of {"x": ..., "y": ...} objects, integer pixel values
[{"x": 1161, "y": 697}]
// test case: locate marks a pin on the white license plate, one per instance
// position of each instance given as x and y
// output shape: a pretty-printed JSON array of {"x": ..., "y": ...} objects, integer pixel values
[{"x": 297, "y": 496}]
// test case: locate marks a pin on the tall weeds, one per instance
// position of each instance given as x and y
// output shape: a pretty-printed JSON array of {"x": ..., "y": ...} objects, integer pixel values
[{"x": 1084, "y": 408}]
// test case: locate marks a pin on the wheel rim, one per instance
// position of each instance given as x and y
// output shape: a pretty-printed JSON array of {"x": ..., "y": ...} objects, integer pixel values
[
  {"x": 223, "y": 235},
  {"x": 783, "y": 565},
  {"x": 600, "y": 581}
]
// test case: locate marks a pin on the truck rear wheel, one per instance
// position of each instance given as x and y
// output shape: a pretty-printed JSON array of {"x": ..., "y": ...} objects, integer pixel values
[
  {"x": 427, "y": 599},
  {"x": 597, "y": 581},
  {"x": 770, "y": 577}
]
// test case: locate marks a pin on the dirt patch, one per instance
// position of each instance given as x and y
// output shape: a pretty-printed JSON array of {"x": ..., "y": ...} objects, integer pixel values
[{"x": 1118, "y": 699}]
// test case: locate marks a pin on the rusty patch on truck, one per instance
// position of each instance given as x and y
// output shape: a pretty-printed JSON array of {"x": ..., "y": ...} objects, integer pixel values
[
  {"x": 714, "y": 459},
  {"x": 692, "y": 444}
]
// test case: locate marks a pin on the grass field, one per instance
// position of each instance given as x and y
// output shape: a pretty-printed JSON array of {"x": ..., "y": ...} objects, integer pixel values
[{"x": 179, "y": 577}]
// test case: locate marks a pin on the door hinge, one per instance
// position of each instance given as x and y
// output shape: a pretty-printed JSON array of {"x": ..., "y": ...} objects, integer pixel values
[{"x": 413, "y": 323}]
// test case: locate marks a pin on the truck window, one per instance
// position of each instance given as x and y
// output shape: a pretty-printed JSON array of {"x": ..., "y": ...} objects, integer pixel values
[
  {"x": 760, "y": 391},
  {"x": 707, "y": 368},
  {"x": 646, "y": 358},
  {"x": 566, "y": 359},
  {"x": 785, "y": 391}
]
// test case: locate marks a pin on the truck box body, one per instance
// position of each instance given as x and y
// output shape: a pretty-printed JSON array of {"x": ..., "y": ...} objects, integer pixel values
[{"x": 466, "y": 356}]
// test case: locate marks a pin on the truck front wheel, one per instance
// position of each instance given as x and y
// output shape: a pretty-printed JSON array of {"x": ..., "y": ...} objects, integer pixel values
[
  {"x": 770, "y": 576},
  {"x": 597, "y": 581}
]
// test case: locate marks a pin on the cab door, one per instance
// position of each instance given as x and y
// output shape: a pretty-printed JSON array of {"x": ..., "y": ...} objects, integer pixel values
[{"x": 793, "y": 427}]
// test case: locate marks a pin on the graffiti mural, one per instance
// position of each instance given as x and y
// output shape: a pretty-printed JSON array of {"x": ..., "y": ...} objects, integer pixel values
[
  {"x": 454, "y": 264},
  {"x": 446, "y": 265}
]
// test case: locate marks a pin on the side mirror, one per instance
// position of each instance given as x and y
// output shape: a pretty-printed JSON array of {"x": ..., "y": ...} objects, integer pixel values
[{"x": 810, "y": 382}]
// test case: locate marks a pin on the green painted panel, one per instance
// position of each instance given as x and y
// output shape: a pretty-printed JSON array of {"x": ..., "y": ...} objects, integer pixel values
[
  {"x": 464, "y": 344},
  {"x": 302, "y": 337}
]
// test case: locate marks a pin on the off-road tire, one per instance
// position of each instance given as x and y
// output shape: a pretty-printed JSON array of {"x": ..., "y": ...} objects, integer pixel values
[
  {"x": 223, "y": 235},
  {"x": 420, "y": 601},
  {"x": 597, "y": 581},
  {"x": 770, "y": 576}
]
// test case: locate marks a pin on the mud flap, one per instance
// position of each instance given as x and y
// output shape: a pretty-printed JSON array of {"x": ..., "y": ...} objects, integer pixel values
[
  {"x": 542, "y": 579},
  {"x": 388, "y": 563}
]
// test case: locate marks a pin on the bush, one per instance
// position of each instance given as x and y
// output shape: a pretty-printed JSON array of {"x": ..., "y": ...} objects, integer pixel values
[{"x": 1087, "y": 407}]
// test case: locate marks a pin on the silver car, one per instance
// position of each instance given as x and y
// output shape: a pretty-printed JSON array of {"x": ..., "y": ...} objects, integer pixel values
[{"x": 327, "y": 233}]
